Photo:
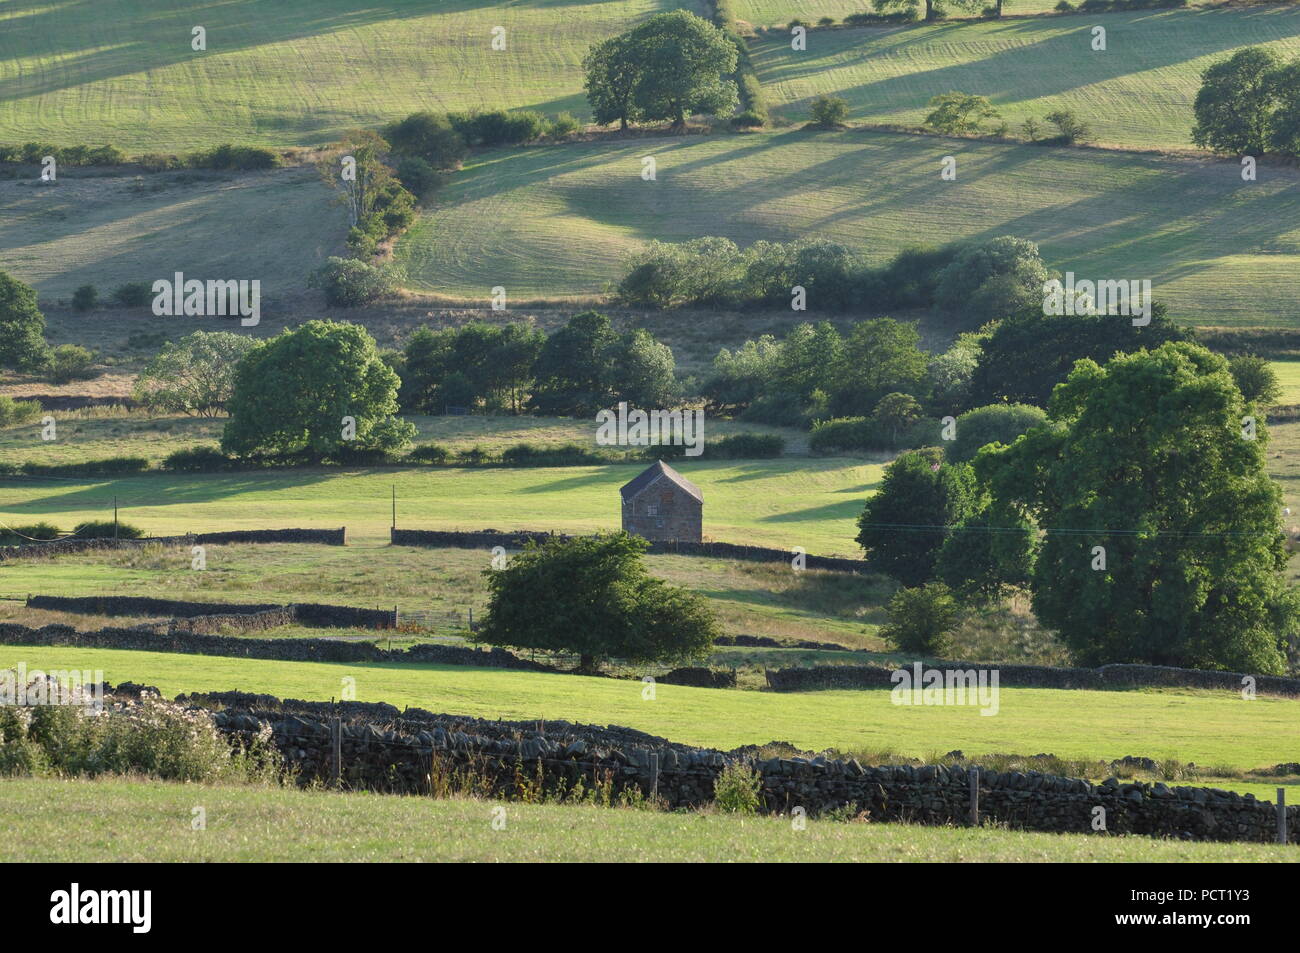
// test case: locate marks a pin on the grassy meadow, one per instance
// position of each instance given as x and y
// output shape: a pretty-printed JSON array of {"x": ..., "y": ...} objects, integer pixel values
[
  {"x": 110, "y": 229},
  {"x": 284, "y": 72},
  {"x": 560, "y": 220},
  {"x": 121, "y": 821},
  {"x": 1136, "y": 94},
  {"x": 1216, "y": 730},
  {"x": 441, "y": 588},
  {"x": 810, "y": 502}
]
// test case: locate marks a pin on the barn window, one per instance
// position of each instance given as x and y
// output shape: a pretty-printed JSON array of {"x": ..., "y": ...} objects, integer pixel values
[
  {"x": 659, "y": 524},
  {"x": 651, "y": 510}
]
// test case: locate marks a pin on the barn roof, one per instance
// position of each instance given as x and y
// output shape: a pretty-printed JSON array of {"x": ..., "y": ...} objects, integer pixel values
[{"x": 653, "y": 473}]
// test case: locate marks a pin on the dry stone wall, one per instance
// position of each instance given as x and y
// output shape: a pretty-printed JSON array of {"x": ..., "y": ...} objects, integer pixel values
[{"x": 384, "y": 749}]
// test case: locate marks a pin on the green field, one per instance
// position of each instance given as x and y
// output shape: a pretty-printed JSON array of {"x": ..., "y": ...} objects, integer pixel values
[
  {"x": 1288, "y": 376},
  {"x": 1136, "y": 94},
  {"x": 133, "y": 821},
  {"x": 559, "y": 220},
  {"x": 107, "y": 230},
  {"x": 443, "y": 588},
  {"x": 789, "y": 502},
  {"x": 1213, "y": 729},
  {"x": 778, "y": 13},
  {"x": 283, "y": 72}
]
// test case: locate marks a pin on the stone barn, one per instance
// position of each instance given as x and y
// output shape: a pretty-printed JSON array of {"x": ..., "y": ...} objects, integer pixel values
[{"x": 661, "y": 504}]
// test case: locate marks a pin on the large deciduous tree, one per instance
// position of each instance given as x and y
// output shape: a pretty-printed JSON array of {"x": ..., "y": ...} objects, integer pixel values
[
  {"x": 1162, "y": 538},
  {"x": 22, "y": 327},
  {"x": 195, "y": 375},
  {"x": 593, "y": 596},
  {"x": 1235, "y": 104},
  {"x": 904, "y": 525},
  {"x": 292, "y": 393}
]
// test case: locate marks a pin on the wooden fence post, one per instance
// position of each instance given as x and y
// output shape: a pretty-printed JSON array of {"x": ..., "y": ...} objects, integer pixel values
[
  {"x": 974, "y": 796},
  {"x": 1281, "y": 815},
  {"x": 336, "y": 765}
]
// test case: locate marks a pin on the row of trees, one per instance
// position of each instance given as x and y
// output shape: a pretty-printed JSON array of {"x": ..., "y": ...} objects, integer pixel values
[
  {"x": 582, "y": 367},
  {"x": 975, "y": 282},
  {"x": 1142, "y": 535}
]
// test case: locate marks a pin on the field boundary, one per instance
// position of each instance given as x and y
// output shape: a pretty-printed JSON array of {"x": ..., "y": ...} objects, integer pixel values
[
  {"x": 373, "y": 746},
  {"x": 63, "y": 547},
  {"x": 487, "y": 538}
]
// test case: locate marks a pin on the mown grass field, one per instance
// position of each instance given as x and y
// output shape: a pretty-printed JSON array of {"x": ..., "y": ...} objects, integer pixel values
[
  {"x": 284, "y": 72},
  {"x": 1216, "y": 730},
  {"x": 107, "y": 230},
  {"x": 778, "y": 13},
  {"x": 137, "y": 821},
  {"x": 1137, "y": 93},
  {"x": 1288, "y": 376},
  {"x": 809, "y": 502},
  {"x": 560, "y": 220}
]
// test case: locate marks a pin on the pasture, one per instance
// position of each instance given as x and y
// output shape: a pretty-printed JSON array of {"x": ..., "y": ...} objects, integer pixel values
[
  {"x": 284, "y": 72},
  {"x": 1136, "y": 94},
  {"x": 560, "y": 220},
  {"x": 122, "y": 821},
  {"x": 810, "y": 502},
  {"x": 1216, "y": 730},
  {"x": 110, "y": 229}
]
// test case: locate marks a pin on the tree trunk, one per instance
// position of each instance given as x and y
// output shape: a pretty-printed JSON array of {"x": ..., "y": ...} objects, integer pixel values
[
  {"x": 623, "y": 122},
  {"x": 929, "y": 10},
  {"x": 587, "y": 664},
  {"x": 999, "y": 8}
]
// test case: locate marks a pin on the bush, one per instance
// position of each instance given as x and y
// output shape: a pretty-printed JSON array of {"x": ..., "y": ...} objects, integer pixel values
[
  {"x": 156, "y": 738},
  {"x": 104, "y": 529},
  {"x": 233, "y": 158},
  {"x": 19, "y": 535},
  {"x": 14, "y": 413},
  {"x": 349, "y": 283},
  {"x": 429, "y": 453},
  {"x": 829, "y": 112},
  {"x": 417, "y": 176},
  {"x": 85, "y": 298},
  {"x": 921, "y": 620},
  {"x": 567, "y": 455},
  {"x": 107, "y": 465},
  {"x": 1256, "y": 379},
  {"x": 429, "y": 137},
  {"x": 745, "y": 446},
  {"x": 565, "y": 124},
  {"x": 133, "y": 294},
  {"x": 206, "y": 459},
  {"x": 499, "y": 128},
  {"x": 1065, "y": 6},
  {"x": 1072, "y": 129},
  {"x": 738, "y": 789},
  {"x": 995, "y": 423},
  {"x": 749, "y": 119},
  {"x": 70, "y": 362}
]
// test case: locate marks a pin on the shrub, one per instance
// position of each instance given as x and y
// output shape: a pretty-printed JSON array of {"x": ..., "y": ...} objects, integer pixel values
[
  {"x": 429, "y": 453},
  {"x": 749, "y": 119},
  {"x": 995, "y": 423},
  {"x": 430, "y": 137},
  {"x": 567, "y": 455},
  {"x": 1071, "y": 127},
  {"x": 70, "y": 362},
  {"x": 751, "y": 446},
  {"x": 133, "y": 294},
  {"x": 18, "y": 535},
  {"x": 349, "y": 283},
  {"x": 14, "y": 413},
  {"x": 230, "y": 158},
  {"x": 205, "y": 459},
  {"x": 105, "y": 155},
  {"x": 417, "y": 176},
  {"x": 157, "y": 738},
  {"x": 85, "y": 298},
  {"x": 738, "y": 789},
  {"x": 565, "y": 124},
  {"x": 105, "y": 465},
  {"x": 921, "y": 620},
  {"x": 826, "y": 21},
  {"x": 1256, "y": 379},
  {"x": 1065, "y": 6},
  {"x": 106, "y": 529},
  {"x": 499, "y": 128},
  {"x": 829, "y": 111}
]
